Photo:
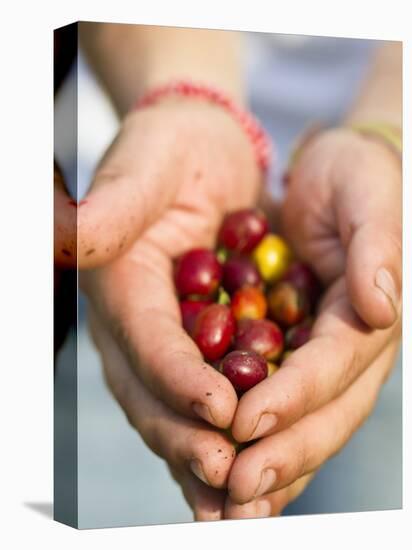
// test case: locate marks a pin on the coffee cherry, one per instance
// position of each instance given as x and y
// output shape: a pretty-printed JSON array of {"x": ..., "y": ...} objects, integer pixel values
[
  {"x": 249, "y": 303},
  {"x": 285, "y": 355},
  {"x": 197, "y": 272},
  {"x": 287, "y": 305},
  {"x": 244, "y": 369},
  {"x": 213, "y": 331},
  {"x": 298, "y": 335},
  {"x": 261, "y": 336},
  {"x": 223, "y": 305},
  {"x": 189, "y": 310},
  {"x": 238, "y": 272},
  {"x": 272, "y": 257},
  {"x": 272, "y": 368},
  {"x": 303, "y": 278},
  {"x": 242, "y": 230}
]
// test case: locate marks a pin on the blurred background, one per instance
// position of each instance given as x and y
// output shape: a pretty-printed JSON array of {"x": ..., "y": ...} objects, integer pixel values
[{"x": 292, "y": 81}]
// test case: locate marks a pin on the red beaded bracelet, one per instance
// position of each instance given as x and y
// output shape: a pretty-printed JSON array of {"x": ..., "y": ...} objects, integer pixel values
[{"x": 256, "y": 134}]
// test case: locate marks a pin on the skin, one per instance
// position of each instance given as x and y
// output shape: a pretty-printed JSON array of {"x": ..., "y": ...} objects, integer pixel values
[
  {"x": 161, "y": 189},
  {"x": 123, "y": 202},
  {"x": 194, "y": 204}
]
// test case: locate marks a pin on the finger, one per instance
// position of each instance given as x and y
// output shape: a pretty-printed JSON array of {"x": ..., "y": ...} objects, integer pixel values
[
  {"x": 368, "y": 203},
  {"x": 129, "y": 191},
  {"x": 136, "y": 297},
  {"x": 268, "y": 505},
  {"x": 207, "y": 503},
  {"x": 186, "y": 445},
  {"x": 340, "y": 348},
  {"x": 278, "y": 460},
  {"x": 65, "y": 224}
]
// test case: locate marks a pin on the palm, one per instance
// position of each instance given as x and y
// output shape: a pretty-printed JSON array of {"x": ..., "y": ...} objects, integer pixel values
[
  {"x": 218, "y": 174},
  {"x": 309, "y": 214}
]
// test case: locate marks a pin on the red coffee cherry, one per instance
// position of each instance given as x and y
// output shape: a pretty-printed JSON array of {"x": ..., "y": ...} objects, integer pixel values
[
  {"x": 197, "y": 272},
  {"x": 214, "y": 330},
  {"x": 240, "y": 271},
  {"x": 242, "y": 230},
  {"x": 244, "y": 369},
  {"x": 298, "y": 335},
  {"x": 301, "y": 276},
  {"x": 189, "y": 310},
  {"x": 261, "y": 336},
  {"x": 249, "y": 303}
]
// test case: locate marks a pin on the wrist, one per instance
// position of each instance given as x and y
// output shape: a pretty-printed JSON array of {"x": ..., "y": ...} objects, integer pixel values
[
  {"x": 384, "y": 137},
  {"x": 360, "y": 149},
  {"x": 381, "y": 149},
  {"x": 130, "y": 59},
  {"x": 388, "y": 135},
  {"x": 156, "y": 76},
  {"x": 187, "y": 90}
]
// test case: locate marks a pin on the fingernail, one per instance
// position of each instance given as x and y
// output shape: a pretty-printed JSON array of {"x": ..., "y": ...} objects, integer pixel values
[
  {"x": 267, "y": 481},
  {"x": 263, "y": 509},
  {"x": 197, "y": 469},
  {"x": 266, "y": 423},
  {"x": 386, "y": 283},
  {"x": 204, "y": 412}
]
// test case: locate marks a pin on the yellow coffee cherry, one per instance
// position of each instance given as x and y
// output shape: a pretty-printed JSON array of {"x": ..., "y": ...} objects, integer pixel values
[
  {"x": 272, "y": 257},
  {"x": 272, "y": 368},
  {"x": 286, "y": 354}
]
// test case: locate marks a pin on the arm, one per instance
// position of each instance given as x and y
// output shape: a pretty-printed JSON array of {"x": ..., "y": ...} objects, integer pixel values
[
  {"x": 132, "y": 58},
  {"x": 380, "y": 98},
  {"x": 129, "y": 59},
  {"x": 162, "y": 188}
]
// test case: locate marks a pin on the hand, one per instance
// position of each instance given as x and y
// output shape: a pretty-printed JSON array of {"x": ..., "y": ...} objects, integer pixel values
[
  {"x": 198, "y": 455},
  {"x": 342, "y": 214},
  {"x": 194, "y": 448},
  {"x": 163, "y": 188}
]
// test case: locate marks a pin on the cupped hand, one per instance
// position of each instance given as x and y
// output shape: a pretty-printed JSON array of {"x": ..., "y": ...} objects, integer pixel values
[
  {"x": 342, "y": 214},
  {"x": 199, "y": 457},
  {"x": 173, "y": 172},
  {"x": 162, "y": 188}
]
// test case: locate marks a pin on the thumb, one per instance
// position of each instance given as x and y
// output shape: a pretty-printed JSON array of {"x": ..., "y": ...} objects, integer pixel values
[
  {"x": 129, "y": 191},
  {"x": 369, "y": 209}
]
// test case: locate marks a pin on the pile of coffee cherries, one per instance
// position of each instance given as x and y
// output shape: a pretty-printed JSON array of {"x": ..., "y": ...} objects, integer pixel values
[{"x": 250, "y": 303}]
